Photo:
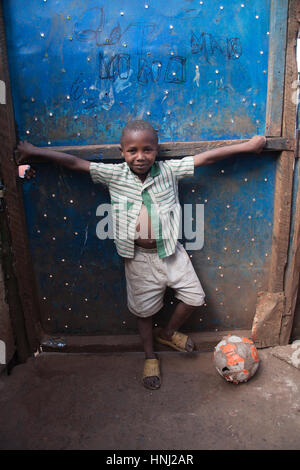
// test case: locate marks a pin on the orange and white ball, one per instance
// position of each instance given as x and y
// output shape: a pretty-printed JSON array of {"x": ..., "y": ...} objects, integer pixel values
[{"x": 236, "y": 358}]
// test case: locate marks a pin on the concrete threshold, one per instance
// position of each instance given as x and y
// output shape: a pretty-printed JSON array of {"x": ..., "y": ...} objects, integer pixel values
[{"x": 204, "y": 341}]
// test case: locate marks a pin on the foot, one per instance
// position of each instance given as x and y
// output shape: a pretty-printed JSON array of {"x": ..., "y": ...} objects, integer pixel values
[
  {"x": 151, "y": 373},
  {"x": 180, "y": 343}
]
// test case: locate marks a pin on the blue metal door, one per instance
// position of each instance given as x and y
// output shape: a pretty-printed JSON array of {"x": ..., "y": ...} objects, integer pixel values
[{"x": 196, "y": 71}]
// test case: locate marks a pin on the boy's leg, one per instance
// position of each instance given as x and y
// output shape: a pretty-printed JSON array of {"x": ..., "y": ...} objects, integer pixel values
[
  {"x": 180, "y": 315},
  {"x": 145, "y": 292},
  {"x": 146, "y": 333},
  {"x": 188, "y": 290}
]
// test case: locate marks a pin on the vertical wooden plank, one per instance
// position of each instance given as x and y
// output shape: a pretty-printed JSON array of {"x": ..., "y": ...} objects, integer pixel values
[
  {"x": 282, "y": 218},
  {"x": 292, "y": 275},
  {"x": 285, "y": 163},
  {"x": 276, "y": 66},
  {"x": 25, "y": 318},
  {"x": 277, "y": 285},
  {"x": 7, "y": 342},
  {"x": 285, "y": 276}
]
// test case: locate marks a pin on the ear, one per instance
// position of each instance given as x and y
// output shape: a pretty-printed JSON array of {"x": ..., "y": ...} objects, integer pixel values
[{"x": 121, "y": 150}]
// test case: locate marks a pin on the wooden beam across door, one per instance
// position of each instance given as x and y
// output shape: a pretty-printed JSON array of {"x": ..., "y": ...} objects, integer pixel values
[{"x": 166, "y": 150}]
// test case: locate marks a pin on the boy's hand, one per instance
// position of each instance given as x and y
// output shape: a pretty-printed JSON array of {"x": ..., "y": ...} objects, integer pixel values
[
  {"x": 256, "y": 144},
  {"x": 25, "y": 149}
]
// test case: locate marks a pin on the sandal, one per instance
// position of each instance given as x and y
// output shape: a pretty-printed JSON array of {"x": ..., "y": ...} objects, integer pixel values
[
  {"x": 178, "y": 341},
  {"x": 151, "y": 369}
]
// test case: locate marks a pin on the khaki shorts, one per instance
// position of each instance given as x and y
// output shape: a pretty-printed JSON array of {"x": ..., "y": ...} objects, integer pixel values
[{"x": 147, "y": 277}]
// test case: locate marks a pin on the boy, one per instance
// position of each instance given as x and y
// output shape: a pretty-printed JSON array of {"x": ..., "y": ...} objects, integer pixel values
[{"x": 146, "y": 191}]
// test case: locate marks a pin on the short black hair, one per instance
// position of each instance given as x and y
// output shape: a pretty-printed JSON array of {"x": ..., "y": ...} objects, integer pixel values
[{"x": 139, "y": 125}]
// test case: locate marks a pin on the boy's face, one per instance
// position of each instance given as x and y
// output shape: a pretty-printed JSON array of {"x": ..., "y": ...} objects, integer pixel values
[{"x": 139, "y": 148}]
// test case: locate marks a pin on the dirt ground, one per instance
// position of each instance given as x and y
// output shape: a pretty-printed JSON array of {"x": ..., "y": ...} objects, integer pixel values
[{"x": 97, "y": 401}]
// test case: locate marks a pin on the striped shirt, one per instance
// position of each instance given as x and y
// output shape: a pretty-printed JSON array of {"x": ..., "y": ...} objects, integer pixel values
[{"x": 159, "y": 193}]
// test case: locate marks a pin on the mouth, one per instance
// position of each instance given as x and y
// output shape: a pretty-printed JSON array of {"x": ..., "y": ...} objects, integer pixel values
[{"x": 141, "y": 167}]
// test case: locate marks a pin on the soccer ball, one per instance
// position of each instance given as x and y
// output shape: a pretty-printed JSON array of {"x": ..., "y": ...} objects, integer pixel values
[{"x": 236, "y": 358}]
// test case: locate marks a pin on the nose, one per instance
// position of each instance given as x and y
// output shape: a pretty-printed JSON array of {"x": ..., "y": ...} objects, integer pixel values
[{"x": 140, "y": 156}]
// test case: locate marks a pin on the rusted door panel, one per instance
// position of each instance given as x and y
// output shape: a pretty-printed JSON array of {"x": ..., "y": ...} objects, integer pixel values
[
  {"x": 197, "y": 71},
  {"x": 81, "y": 280}
]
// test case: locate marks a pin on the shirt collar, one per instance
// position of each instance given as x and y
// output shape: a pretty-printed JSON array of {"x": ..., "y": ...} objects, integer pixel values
[{"x": 155, "y": 170}]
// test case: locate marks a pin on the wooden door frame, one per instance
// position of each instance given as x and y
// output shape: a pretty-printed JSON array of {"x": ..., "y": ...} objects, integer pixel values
[
  {"x": 280, "y": 125},
  {"x": 23, "y": 303},
  {"x": 291, "y": 277},
  {"x": 273, "y": 319}
]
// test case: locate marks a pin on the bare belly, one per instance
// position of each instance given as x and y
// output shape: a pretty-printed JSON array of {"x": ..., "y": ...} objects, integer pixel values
[
  {"x": 146, "y": 243},
  {"x": 144, "y": 232}
]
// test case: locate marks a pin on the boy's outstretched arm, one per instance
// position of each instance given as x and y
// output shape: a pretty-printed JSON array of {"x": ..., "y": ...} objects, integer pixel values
[
  {"x": 26, "y": 149},
  {"x": 254, "y": 145}
]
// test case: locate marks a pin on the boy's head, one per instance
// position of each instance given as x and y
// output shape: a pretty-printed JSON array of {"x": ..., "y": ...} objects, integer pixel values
[{"x": 139, "y": 146}]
